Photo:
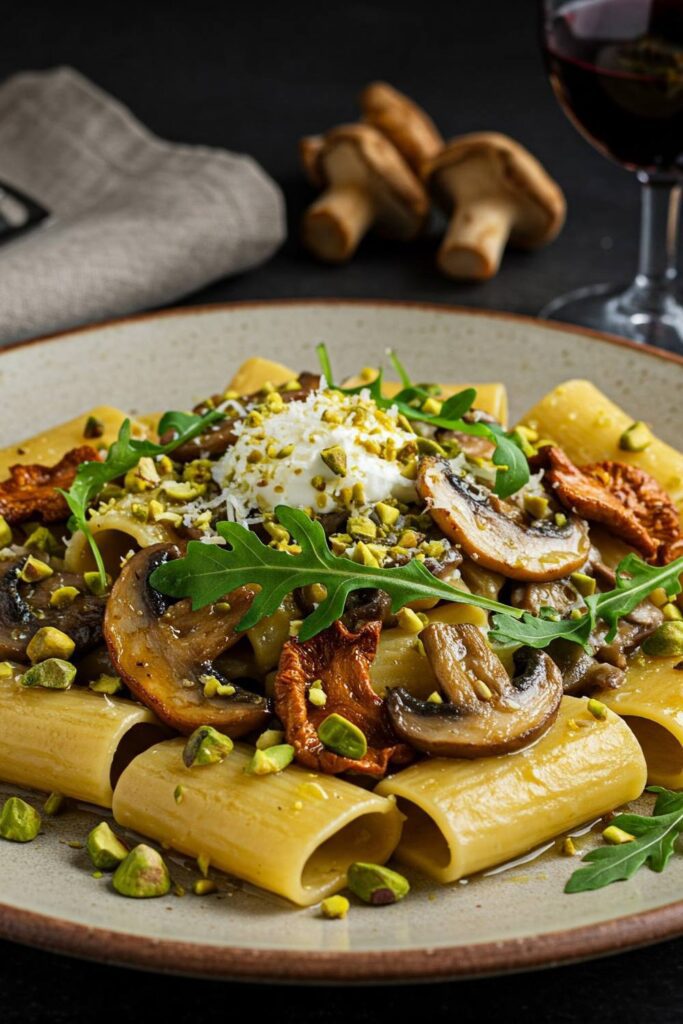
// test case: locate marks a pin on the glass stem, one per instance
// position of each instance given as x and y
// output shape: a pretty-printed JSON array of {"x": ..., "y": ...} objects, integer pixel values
[{"x": 657, "y": 262}]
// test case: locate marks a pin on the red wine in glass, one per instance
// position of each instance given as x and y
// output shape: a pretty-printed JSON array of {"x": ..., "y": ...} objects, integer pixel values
[{"x": 616, "y": 67}]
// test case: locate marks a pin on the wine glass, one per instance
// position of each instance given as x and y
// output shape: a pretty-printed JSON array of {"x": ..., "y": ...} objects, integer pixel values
[{"x": 616, "y": 67}]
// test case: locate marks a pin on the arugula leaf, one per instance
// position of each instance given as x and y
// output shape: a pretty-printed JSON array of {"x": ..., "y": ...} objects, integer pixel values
[
  {"x": 123, "y": 455},
  {"x": 208, "y": 572},
  {"x": 654, "y": 845},
  {"x": 513, "y": 471},
  {"x": 635, "y": 581}
]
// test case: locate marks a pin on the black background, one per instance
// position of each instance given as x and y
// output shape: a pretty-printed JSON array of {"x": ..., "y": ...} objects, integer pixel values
[{"x": 254, "y": 77}]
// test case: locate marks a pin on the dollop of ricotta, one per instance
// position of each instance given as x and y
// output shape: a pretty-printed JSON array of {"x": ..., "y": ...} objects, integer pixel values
[{"x": 277, "y": 458}]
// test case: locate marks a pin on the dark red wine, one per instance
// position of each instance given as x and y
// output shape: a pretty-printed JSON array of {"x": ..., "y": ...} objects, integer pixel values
[{"x": 617, "y": 69}]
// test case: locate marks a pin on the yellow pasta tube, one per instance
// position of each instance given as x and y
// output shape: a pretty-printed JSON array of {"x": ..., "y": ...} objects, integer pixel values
[
  {"x": 293, "y": 833},
  {"x": 651, "y": 701},
  {"x": 588, "y": 426},
  {"x": 491, "y": 398},
  {"x": 74, "y": 742},
  {"x": 116, "y": 531},
  {"x": 400, "y": 660},
  {"x": 48, "y": 448},
  {"x": 255, "y": 372},
  {"x": 465, "y": 816}
]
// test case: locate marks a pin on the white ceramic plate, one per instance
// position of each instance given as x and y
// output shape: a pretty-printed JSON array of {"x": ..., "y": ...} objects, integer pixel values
[{"x": 510, "y": 920}]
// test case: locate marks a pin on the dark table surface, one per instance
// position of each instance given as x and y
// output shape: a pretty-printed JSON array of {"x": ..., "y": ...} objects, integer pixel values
[{"x": 254, "y": 77}]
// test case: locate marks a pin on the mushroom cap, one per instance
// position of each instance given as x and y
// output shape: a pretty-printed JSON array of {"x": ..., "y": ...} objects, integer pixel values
[
  {"x": 359, "y": 155},
  {"x": 309, "y": 151},
  {"x": 513, "y": 171},
  {"x": 404, "y": 123}
]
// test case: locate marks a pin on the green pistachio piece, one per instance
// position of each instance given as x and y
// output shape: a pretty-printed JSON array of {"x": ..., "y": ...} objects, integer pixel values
[
  {"x": 270, "y": 761},
  {"x": 142, "y": 875},
  {"x": 6, "y": 670},
  {"x": 636, "y": 438},
  {"x": 335, "y": 907},
  {"x": 19, "y": 822},
  {"x": 204, "y": 887},
  {"x": 361, "y": 527},
  {"x": 666, "y": 641},
  {"x": 93, "y": 582},
  {"x": 376, "y": 884},
  {"x": 583, "y": 583},
  {"x": 270, "y": 738},
  {"x": 335, "y": 459},
  {"x": 536, "y": 506},
  {"x": 387, "y": 514},
  {"x": 52, "y": 674},
  {"x": 178, "y": 794},
  {"x": 105, "y": 849},
  {"x": 206, "y": 746},
  {"x": 62, "y": 597},
  {"x": 54, "y": 804},
  {"x": 106, "y": 684},
  {"x": 342, "y": 737},
  {"x": 34, "y": 570},
  {"x": 93, "y": 428},
  {"x": 42, "y": 540},
  {"x": 5, "y": 533},
  {"x": 50, "y": 642}
]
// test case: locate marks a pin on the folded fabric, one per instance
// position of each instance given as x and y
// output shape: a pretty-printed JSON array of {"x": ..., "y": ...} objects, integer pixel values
[{"x": 133, "y": 221}]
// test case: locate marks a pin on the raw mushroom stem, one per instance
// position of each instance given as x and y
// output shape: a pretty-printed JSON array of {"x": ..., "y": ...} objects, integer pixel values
[
  {"x": 335, "y": 224},
  {"x": 476, "y": 238}
]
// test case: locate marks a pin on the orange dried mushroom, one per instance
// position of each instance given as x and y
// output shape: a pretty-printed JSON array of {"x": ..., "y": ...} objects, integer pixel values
[{"x": 30, "y": 491}]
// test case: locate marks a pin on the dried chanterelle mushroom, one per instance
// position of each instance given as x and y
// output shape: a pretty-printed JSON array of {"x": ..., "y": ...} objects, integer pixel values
[
  {"x": 367, "y": 183},
  {"x": 496, "y": 192},
  {"x": 404, "y": 123}
]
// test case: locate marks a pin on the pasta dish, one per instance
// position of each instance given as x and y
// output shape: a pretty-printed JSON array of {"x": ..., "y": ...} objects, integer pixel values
[{"x": 316, "y": 635}]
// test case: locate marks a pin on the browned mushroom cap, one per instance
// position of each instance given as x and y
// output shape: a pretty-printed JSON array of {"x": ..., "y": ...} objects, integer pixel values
[
  {"x": 408, "y": 126},
  {"x": 309, "y": 151},
  {"x": 498, "y": 535},
  {"x": 487, "y": 712},
  {"x": 165, "y": 654},
  {"x": 368, "y": 184},
  {"x": 498, "y": 192}
]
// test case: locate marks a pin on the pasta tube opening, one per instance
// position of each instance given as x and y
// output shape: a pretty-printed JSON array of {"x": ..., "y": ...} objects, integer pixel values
[
  {"x": 362, "y": 839},
  {"x": 663, "y": 752}
]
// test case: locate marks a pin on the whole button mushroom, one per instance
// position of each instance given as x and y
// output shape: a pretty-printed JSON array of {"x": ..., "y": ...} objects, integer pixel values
[
  {"x": 367, "y": 184},
  {"x": 497, "y": 192},
  {"x": 404, "y": 123}
]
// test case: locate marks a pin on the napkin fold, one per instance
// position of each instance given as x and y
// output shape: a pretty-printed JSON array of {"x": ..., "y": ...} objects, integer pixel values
[{"x": 133, "y": 221}]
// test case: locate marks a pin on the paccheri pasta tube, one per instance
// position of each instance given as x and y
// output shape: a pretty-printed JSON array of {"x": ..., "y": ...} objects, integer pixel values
[
  {"x": 72, "y": 741},
  {"x": 117, "y": 531},
  {"x": 465, "y": 816},
  {"x": 651, "y": 701},
  {"x": 293, "y": 833}
]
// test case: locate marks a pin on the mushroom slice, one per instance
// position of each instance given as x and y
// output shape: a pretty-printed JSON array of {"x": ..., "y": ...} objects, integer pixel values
[
  {"x": 340, "y": 661},
  {"x": 165, "y": 654},
  {"x": 498, "y": 535},
  {"x": 487, "y": 712},
  {"x": 367, "y": 183},
  {"x": 498, "y": 192},
  {"x": 30, "y": 491},
  {"x": 408, "y": 126},
  {"x": 25, "y": 608}
]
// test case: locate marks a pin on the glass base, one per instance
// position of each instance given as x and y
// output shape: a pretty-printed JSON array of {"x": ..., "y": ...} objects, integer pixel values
[{"x": 639, "y": 313}]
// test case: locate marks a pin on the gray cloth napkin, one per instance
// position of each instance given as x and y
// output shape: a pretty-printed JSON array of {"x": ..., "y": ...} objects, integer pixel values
[{"x": 134, "y": 221}]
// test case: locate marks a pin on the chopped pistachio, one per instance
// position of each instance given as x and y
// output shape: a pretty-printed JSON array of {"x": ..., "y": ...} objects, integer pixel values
[
  {"x": 432, "y": 406},
  {"x": 106, "y": 684},
  {"x": 335, "y": 459},
  {"x": 204, "y": 887},
  {"x": 206, "y": 746},
  {"x": 409, "y": 539},
  {"x": 52, "y": 674},
  {"x": 213, "y": 687},
  {"x": 376, "y": 884},
  {"x": 616, "y": 836},
  {"x": 435, "y": 698},
  {"x": 6, "y": 670},
  {"x": 560, "y": 519},
  {"x": 270, "y": 738},
  {"x": 19, "y": 822},
  {"x": 62, "y": 597},
  {"x": 671, "y": 612},
  {"x": 636, "y": 438},
  {"x": 104, "y": 847},
  {"x": 95, "y": 584},
  {"x": 5, "y": 533},
  {"x": 583, "y": 583},
  {"x": 597, "y": 709},
  {"x": 342, "y": 737},
  {"x": 536, "y": 506},
  {"x": 203, "y": 864},
  {"x": 97, "y": 874},
  {"x": 364, "y": 556},
  {"x": 317, "y": 697},
  {"x": 93, "y": 428},
  {"x": 409, "y": 471},
  {"x": 50, "y": 642},
  {"x": 277, "y": 532},
  {"x": 387, "y": 514},
  {"x": 34, "y": 570},
  {"x": 178, "y": 794},
  {"x": 410, "y": 620},
  {"x": 198, "y": 471},
  {"x": 182, "y": 490},
  {"x": 142, "y": 875},
  {"x": 666, "y": 641},
  {"x": 361, "y": 527},
  {"x": 42, "y": 540},
  {"x": 270, "y": 761},
  {"x": 143, "y": 477},
  {"x": 54, "y": 804},
  {"x": 568, "y": 847},
  {"x": 335, "y": 907}
]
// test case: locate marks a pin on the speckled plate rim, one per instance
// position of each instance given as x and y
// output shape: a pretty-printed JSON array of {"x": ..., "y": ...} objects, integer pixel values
[{"x": 414, "y": 965}]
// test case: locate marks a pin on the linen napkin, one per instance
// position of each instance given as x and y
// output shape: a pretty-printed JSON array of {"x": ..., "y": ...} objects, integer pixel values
[{"x": 133, "y": 221}]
